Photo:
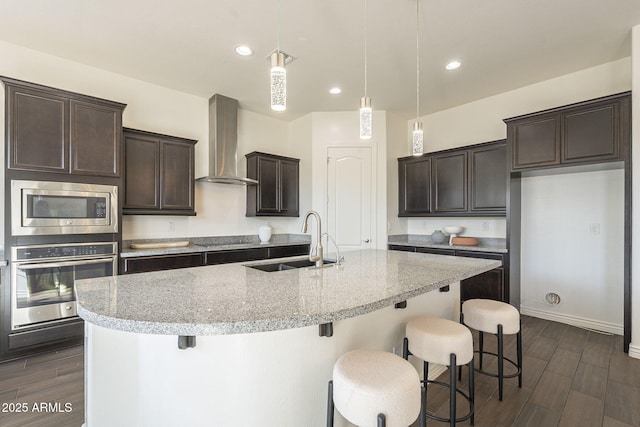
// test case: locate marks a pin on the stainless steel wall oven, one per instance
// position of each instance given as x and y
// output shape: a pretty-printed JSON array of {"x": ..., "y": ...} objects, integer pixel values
[{"x": 42, "y": 278}]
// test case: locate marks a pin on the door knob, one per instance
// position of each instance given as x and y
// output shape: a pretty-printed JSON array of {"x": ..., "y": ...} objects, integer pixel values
[{"x": 367, "y": 241}]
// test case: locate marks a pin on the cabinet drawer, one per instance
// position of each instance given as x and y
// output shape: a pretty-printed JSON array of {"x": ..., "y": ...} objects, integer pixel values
[
  {"x": 223, "y": 257},
  {"x": 162, "y": 262},
  {"x": 401, "y": 248},
  {"x": 436, "y": 251},
  {"x": 285, "y": 251}
]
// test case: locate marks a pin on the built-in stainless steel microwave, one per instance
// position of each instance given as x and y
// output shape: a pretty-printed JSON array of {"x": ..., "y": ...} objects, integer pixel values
[{"x": 47, "y": 207}]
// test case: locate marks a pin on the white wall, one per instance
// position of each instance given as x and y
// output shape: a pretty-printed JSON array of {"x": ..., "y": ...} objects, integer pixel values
[
  {"x": 220, "y": 208},
  {"x": 572, "y": 245},
  {"x": 341, "y": 129},
  {"x": 482, "y": 121},
  {"x": 634, "y": 348}
]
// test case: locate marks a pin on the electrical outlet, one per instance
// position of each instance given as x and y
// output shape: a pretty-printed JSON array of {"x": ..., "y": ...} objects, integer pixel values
[
  {"x": 485, "y": 226},
  {"x": 594, "y": 229},
  {"x": 172, "y": 226}
]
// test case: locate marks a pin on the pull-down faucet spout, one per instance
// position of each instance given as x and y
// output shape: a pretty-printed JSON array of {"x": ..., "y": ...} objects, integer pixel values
[{"x": 318, "y": 257}]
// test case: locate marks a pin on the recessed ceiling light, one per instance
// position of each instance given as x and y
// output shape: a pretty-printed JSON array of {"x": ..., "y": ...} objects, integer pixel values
[
  {"x": 453, "y": 65},
  {"x": 243, "y": 50},
  {"x": 335, "y": 90}
]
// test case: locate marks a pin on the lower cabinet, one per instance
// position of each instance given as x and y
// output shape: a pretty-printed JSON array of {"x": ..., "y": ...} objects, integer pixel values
[
  {"x": 146, "y": 264},
  {"x": 492, "y": 284},
  {"x": 161, "y": 262}
]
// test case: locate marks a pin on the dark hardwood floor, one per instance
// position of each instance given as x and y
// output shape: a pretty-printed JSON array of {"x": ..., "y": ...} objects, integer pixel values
[{"x": 572, "y": 377}]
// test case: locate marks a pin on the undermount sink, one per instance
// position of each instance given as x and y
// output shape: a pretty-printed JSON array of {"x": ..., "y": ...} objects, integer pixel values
[{"x": 288, "y": 265}]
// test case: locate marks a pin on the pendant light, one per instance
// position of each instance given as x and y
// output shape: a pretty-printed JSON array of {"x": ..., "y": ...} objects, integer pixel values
[
  {"x": 418, "y": 133},
  {"x": 365, "y": 102},
  {"x": 278, "y": 73}
]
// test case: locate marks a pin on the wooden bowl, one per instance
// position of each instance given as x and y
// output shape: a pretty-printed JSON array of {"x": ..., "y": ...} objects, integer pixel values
[{"x": 464, "y": 241}]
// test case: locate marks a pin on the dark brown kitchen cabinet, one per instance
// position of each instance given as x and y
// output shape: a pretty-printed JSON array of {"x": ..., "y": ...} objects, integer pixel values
[
  {"x": 463, "y": 181},
  {"x": 492, "y": 284},
  {"x": 142, "y": 264},
  {"x": 159, "y": 174},
  {"x": 161, "y": 262},
  {"x": 488, "y": 178},
  {"x": 582, "y": 133},
  {"x": 414, "y": 179},
  {"x": 277, "y": 191},
  {"x": 450, "y": 182},
  {"x": 50, "y": 130}
]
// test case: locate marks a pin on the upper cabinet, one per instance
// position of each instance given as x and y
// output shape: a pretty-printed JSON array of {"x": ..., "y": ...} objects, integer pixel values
[
  {"x": 414, "y": 178},
  {"x": 50, "y": 130},
  {"x": 465, "y": 181},
  {"x": 582, "y": 133},
  {"x": 277, "y": 191},
  {"x": 159, "y": 174}
]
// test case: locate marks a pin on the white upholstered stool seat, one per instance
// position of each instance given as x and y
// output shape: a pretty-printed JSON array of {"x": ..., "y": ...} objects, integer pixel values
[
  {"x": 498, "y": 318},
  {"x": 444, "y": 342},
  {"x": 485, "y": 315},
  {"x": 367, "y": 383}
]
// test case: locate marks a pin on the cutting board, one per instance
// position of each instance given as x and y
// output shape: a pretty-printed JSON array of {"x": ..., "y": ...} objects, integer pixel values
[{"x": 156, "y": 245}]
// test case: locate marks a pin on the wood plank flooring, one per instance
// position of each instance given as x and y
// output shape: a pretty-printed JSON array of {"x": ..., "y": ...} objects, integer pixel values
[{"x": 572, "y": 377}]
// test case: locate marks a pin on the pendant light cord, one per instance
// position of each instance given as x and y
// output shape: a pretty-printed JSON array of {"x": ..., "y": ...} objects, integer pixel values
[
  {"x": 278, "y": 26},
  {"x": 365, "y": 48},
  {"x": 417, "y": 59}
]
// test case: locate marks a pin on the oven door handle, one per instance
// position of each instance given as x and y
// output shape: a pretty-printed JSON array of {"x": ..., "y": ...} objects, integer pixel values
[{"x": 64, "y": 264}]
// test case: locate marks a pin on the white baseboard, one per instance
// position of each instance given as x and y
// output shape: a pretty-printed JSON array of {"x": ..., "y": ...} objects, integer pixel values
[
  {"x": 580, "y": 322},
  {"x": 634, "y": 351}
]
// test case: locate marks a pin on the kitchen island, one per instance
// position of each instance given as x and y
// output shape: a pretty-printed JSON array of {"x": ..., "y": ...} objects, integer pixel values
[{"x": 258, "y": 357}]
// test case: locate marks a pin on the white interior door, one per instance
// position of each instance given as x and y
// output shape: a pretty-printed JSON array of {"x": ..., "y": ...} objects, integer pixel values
[{"x": 350, "y": 205}]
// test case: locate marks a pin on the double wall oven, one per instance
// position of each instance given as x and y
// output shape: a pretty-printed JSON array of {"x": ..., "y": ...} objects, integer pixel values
[{"x": 70, "y": 232}]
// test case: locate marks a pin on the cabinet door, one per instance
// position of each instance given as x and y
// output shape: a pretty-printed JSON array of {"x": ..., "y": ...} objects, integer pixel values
[
  {"x": 591, "y": 134},
  {"x": 489, "y": 285},
  {"x": 268, "y": 188},
  {"x": 37, "y": 124},
  {"x": 95, "y": 138},
  {"x": 488, "y": 179},
  {"x": 450, "y": 182},
  {"x": 289, "y": 191},
  {"x": 176, "y": 176},
  {"x": 142, "y": 171},
  {"x": 536, "y": 142},
  {"x": 414, "y": 180}
]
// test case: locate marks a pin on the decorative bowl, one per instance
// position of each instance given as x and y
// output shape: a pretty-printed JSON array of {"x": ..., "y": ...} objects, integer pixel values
[{"x": 452, "y": 230}]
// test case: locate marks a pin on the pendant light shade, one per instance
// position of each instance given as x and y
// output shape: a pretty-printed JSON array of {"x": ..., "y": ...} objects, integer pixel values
[
  {"x": 278, "y": 82},
  {"x": 418, "y": 138},
  {"x": 365, "y": 117}
]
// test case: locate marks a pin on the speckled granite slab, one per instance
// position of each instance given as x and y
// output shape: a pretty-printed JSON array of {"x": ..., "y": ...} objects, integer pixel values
[
  {"x": 485, "y": 244},
  {"x": 211, "y": 244},
  {"x": 234, "y": 298}
]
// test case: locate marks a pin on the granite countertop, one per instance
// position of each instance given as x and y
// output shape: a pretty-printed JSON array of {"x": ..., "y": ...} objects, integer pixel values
[
  {"x": 234, "y": 298},
  {"x": 211, "y": 244},
  {"x": 485, "y": 244}
]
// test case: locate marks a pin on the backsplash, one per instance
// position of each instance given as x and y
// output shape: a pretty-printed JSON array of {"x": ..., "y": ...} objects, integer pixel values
[{"x": 473, "y": 227}]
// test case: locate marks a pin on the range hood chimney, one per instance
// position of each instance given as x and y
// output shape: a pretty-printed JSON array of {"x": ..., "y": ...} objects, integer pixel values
[{"x": 223, "y": 142}]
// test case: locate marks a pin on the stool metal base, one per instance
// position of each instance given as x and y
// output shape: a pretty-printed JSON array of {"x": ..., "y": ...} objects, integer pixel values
[
  {"x": 453, "y": 390},
  {"x": 501, "y": 359}
]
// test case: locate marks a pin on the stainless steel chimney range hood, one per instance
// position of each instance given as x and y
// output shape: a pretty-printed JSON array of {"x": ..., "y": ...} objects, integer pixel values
[{"x": 223, "y": 142}]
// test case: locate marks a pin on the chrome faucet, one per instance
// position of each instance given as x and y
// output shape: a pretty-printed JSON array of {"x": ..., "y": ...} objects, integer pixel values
[{"x": 318, "y": 257}]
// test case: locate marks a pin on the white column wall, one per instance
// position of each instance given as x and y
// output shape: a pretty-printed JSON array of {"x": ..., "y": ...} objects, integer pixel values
[{"x": 634, "y": 348}]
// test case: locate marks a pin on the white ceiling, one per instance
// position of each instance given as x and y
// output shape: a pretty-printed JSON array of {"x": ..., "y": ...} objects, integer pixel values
[{"x": 188, "y": 45}]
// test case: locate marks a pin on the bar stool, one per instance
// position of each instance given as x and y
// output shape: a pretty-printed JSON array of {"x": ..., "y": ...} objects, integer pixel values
[
  {"x": 498, "y": 318},
  {"x": 374, "y": 388},
  {"x": 442, "y": 341}
]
